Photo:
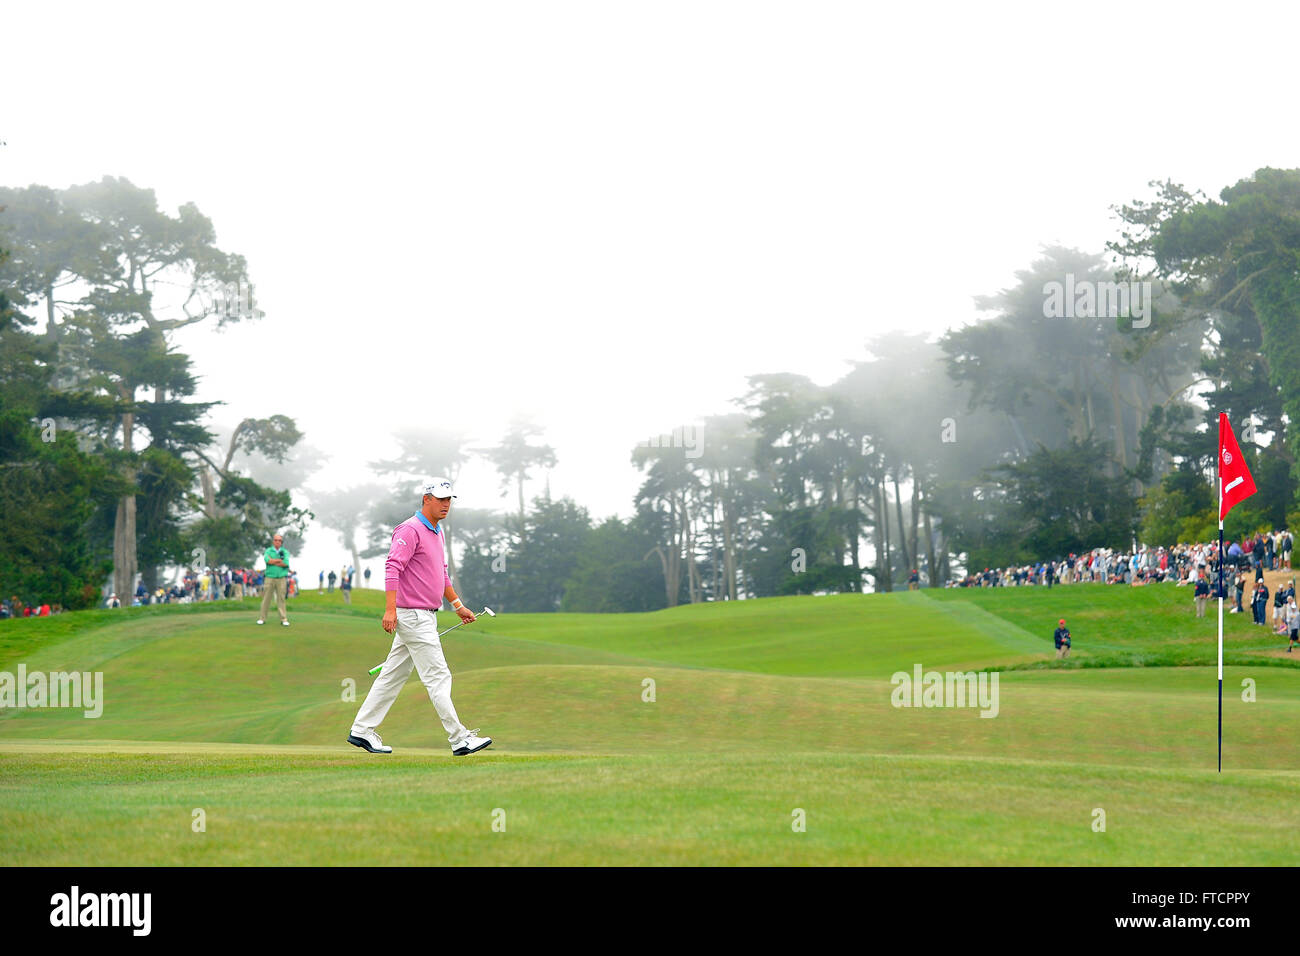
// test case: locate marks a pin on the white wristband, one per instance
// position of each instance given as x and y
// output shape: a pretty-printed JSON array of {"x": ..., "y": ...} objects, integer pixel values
[{"x": 457, "y": 603}]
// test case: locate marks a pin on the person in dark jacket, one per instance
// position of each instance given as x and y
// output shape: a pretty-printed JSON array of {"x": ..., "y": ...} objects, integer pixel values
[
  {"x": 1061, "y": 637},
  {"x": 1201, "y": 594},
  {"x": 1260, "y": 603}
]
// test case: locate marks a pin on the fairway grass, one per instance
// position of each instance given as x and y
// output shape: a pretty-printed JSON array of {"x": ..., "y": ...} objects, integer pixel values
[
  {"x": 293, "y": 808},
  {"x": 683, "y": 736}
]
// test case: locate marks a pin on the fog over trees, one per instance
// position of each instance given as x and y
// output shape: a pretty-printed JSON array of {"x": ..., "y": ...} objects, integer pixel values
[{"x": 1072, "y": 415}]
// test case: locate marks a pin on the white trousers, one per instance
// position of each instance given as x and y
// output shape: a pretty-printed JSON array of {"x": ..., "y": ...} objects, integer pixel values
[{"x": 415, "y": 647}]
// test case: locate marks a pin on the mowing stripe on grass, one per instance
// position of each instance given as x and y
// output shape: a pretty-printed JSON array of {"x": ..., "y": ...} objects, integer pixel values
[{"x": 1011, "y": 636}]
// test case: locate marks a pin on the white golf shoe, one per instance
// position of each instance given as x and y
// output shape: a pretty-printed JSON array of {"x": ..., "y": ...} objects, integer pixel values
[
  {"x": 471, "y": 743},
  {"x": 369, "y": 741}
]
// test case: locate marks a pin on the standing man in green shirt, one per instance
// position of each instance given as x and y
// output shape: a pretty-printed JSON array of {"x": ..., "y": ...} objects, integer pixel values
[{"x": 277, "y": 573}]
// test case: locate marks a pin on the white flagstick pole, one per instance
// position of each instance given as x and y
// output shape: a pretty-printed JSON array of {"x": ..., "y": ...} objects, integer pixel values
[{"x": 1220, "y": 624}]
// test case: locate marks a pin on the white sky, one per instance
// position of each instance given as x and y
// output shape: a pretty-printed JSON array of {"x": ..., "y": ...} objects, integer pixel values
[{"x": 608, "y": 214}]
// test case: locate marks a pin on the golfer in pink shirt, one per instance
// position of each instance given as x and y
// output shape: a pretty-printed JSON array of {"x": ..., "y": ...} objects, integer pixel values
[{"x": 416, "y": 582}]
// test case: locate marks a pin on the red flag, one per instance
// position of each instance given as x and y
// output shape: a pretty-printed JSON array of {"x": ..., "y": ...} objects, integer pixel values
[{"x": 1236, "y": 484}]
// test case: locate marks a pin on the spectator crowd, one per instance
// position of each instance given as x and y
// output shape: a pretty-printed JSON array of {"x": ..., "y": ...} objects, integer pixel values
[
  {"x": 195, "y": 585},
  {"x": 1180, "y": 564},
  {"x": 14, "y": 606},
  {"x": 198, "y": 585}
]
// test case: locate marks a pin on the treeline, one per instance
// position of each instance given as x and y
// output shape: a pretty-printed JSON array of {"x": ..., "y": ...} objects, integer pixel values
[
  {"x": 106, "y": 463},
  {"x": 1079, "y": 413},
  {"x": 1073, "y": 415}
]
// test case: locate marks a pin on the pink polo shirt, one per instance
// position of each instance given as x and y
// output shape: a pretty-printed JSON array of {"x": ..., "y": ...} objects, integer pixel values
[{"x": 417, "y": 565}]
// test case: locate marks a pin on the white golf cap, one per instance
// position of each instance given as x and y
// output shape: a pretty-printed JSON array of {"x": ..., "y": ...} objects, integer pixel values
[{"x": 438, "y": 487}]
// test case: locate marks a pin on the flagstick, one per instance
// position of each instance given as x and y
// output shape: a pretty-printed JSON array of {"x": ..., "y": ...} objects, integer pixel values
[
  {"x": 1220, "y": 623},
  {"x": 1228, "y": 443}
]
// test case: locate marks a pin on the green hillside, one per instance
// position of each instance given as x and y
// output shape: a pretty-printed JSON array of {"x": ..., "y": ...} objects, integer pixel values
[{"x": 760, "y": 707}]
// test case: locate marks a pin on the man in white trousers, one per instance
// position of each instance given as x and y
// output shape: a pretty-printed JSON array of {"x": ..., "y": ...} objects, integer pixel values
[{"x": 416, "y": 582}]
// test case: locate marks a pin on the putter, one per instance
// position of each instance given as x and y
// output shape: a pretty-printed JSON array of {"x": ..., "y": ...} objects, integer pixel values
[{"x": 486, "y": 610}]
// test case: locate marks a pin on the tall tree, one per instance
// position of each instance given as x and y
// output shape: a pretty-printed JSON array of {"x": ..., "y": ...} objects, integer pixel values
[
  {"x": 105, "y": 256},
  {"x": 1060, "y": 366},
  {"x": 516, "y": 456},
  {"x": 49, "y": 487},
  {"x": 808, "y": 459},
  {"x": 534, "y": 575},
  {"x": 54, "y": 256},
  {"x": 1061, "y": 501},
  {"x": 612, "y": 574},
  {"x": 730, "y": 494},
  {"x": 238, "y": 514},
  {"x": 1235, "y": 259},
  {"x": 666, "y": 504},
  {"x": 272, "y": 438},
  {"x": 121, "y": 367}
]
